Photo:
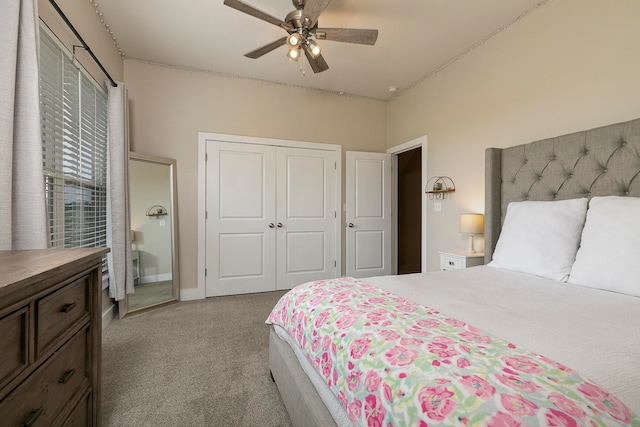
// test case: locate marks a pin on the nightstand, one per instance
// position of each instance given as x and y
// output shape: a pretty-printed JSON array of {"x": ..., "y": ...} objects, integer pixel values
[{"x": 458, "y": 260}]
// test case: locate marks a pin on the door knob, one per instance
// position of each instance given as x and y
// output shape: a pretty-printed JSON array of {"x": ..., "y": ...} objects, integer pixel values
[
  {"x": 350, "y": 225},
  {"x": 280, "y": 225},
  {"x": 271, "y": 225}
]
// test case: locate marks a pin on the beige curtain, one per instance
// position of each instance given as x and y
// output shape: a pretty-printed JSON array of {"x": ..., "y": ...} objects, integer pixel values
[
  {"x": 118, "y": 219},
  {"x": 23, "y": 214}
]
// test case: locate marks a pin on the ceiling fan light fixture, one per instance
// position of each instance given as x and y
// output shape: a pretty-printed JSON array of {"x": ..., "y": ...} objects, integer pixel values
[
  {"x": 302, "y": 30},
  {"x": 293, "y": 54},
  {"x": 314, "y": 48},
  {"x": 293, "y": 41}
]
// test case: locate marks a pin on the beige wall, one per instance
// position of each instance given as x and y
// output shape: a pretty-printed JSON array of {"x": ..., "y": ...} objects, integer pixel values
[
  {"x": 169, "y": 106},
  {"x": 85, "y": 20},
  {"x": 568, "y": 66}
]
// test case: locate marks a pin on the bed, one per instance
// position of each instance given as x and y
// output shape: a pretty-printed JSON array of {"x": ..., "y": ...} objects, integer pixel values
[{"x": 545, "y": 334}]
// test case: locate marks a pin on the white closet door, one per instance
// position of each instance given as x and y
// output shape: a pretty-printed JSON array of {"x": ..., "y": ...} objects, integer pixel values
[
  {"x": 368, "y": 218},
  {"x": 306, "y": 211},
  {"x": 240, "y": 243}
]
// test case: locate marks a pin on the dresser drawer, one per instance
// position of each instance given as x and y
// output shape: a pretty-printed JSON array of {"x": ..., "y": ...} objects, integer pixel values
[
  {"x": 44, "y": 394},
  {"x": 56, "y": 312},
  {"x": 13, "y": 345},
  {"x": 50, "y": 345},
  {"x": 80, "y": 416}
]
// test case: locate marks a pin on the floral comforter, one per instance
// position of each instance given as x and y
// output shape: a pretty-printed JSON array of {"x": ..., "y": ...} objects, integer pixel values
[{"x": 392, "y": 362}]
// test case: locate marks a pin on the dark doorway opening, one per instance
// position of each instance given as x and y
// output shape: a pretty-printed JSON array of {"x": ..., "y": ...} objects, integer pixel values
[{"x": 410, "y": 211}]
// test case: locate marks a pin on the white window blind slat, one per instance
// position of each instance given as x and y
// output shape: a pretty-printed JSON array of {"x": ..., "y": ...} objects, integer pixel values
[{"x": 74, "y": 139}]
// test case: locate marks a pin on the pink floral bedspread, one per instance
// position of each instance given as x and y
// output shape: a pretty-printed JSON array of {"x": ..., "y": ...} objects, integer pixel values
[{"x": 392, "y": 362}]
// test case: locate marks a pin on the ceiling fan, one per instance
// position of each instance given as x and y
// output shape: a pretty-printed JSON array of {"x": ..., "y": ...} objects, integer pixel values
[{"x": 303, "y": 32}]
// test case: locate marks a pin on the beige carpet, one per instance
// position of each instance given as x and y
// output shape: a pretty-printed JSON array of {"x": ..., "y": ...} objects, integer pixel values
[{"x": 197, "y": 363}]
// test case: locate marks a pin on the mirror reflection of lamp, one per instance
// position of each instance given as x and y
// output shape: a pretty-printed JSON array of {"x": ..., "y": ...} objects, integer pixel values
[
  {"x": 471, "y": 224},
  {"x": 133, "y": 239}
]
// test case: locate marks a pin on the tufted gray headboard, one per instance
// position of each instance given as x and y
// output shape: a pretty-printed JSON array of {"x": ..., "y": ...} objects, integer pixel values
[{"x": 604, "y": 161}]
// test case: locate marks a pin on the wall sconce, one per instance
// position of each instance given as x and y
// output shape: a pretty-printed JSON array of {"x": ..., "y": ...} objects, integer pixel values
[{"x": 471, "y": 224}]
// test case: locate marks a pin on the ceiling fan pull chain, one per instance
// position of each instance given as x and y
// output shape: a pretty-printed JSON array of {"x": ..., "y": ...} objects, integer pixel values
[{"x": 302, "y": 70}]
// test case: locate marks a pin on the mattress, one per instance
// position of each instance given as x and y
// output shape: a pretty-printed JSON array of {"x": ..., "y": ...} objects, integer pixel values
[{"x": 592, "y": 331}]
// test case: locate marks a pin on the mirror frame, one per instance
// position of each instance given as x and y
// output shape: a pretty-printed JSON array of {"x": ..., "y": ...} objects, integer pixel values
[{"x": 123, "y": 305}]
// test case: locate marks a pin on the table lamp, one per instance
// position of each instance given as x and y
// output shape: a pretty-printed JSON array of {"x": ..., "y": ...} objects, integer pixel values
[{"x": 471, "y": 224}]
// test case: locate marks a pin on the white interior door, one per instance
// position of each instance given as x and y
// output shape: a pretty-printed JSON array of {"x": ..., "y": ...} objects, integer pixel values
[
  {"x": 368, "y": 217},
  {"x": 241, "y": 217},
  {"x": 306, "y": 216}
]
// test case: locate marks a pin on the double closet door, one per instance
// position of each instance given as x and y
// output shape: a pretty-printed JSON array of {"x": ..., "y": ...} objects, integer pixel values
[{"x": 270, "y": 220}]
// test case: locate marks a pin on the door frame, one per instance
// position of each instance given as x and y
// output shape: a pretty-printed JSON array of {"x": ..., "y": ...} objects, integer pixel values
[
  {"x": 420, "y": 142},
  {"x": 203, "y": 137}
]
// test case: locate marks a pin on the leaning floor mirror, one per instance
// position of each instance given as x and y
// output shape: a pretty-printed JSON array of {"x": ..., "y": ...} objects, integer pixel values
[{"x": 154, "y": 238}]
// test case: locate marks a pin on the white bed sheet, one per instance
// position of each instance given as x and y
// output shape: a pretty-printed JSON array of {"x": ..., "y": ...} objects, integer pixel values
[{"x": 596, "y": 333}]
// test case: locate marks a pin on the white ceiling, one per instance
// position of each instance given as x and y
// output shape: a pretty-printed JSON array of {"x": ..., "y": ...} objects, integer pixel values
[{"x": 415, "y": 38}]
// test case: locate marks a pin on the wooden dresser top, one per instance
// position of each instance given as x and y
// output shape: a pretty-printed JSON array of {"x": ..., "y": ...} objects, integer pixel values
[{"x": 17, "y": 267}]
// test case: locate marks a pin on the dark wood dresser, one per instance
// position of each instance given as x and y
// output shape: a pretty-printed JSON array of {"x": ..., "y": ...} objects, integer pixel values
[{"x": 50, "y": 337}]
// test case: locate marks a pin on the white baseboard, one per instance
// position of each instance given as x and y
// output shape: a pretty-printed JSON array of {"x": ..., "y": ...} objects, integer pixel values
[
  {"x": 109, "y": 315},
  {"x": 156, "y": 278},
  {"x": 191, "y": 294}
]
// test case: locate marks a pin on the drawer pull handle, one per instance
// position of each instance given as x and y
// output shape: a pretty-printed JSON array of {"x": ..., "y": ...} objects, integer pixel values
[
  {"x": 67, "y": 376},
  {"x": 68, "y": 307},
  {"x": 451, "y": 263},
  {"x": 33, "y": 416}
]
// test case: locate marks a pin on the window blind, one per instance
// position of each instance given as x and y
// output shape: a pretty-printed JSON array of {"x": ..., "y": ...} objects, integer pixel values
[{"x": 74, "y": 144}]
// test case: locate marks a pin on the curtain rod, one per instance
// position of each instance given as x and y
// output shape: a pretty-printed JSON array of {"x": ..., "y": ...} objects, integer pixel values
[{"x": 85, "y": 46}]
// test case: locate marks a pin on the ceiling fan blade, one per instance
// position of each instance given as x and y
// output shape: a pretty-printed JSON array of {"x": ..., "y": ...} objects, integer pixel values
[
  {"x": 318, "y": 64},
  {"x": 348, "y": 35},
  {"x": 313, "y": 9},
  {"x": 250, "y": 10},
  {"x": 255, "y": 54}
]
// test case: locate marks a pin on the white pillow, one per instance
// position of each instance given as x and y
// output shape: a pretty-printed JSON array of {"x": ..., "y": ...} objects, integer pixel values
[
  {"x": 541, "y": 238},
  {"x": 609, "y": 254}
]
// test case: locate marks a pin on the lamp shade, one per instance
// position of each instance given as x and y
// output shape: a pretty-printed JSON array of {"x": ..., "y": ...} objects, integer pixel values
[{"x": 472, "y": 223}]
